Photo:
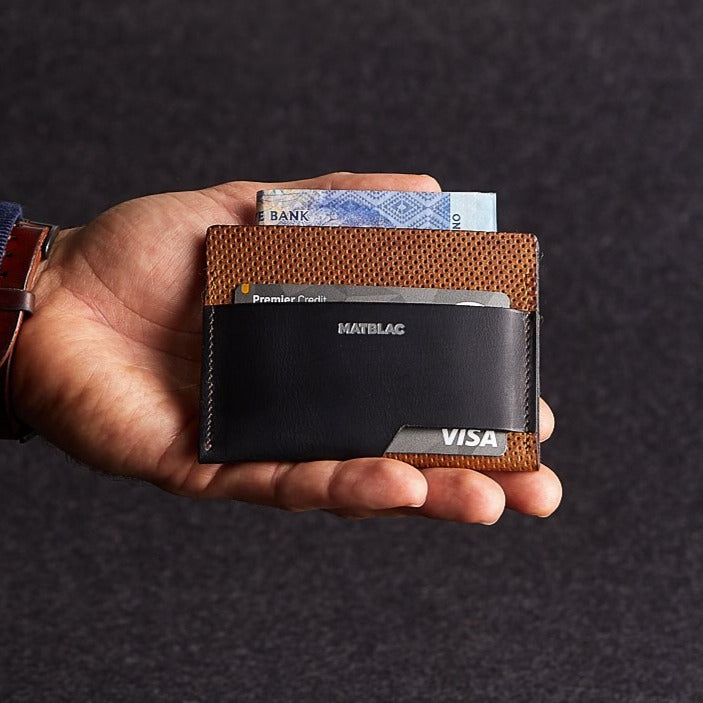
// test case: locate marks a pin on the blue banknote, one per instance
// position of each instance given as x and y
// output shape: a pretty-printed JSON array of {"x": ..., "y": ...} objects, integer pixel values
[{"x": 378, "y": 208}]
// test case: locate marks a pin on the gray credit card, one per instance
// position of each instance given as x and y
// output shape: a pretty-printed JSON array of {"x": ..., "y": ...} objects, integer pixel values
[
  {"x": 297, "y": 293},
  {"x": 408, "y": 440}
]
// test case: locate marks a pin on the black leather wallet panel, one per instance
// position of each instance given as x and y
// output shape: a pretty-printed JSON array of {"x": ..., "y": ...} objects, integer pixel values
[{"x": 283, "y": 381}]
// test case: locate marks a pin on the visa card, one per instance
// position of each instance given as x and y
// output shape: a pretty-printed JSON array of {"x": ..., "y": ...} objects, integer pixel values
[{"x": 408, "y": 440}]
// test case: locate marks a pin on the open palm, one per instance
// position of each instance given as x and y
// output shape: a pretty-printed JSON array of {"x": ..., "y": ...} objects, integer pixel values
[{"x": 108, "y": 369}]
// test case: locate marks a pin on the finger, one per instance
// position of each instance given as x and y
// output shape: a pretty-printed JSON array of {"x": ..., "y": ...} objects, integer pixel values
[
  {"x": 461, "y": 495},
  {"x": 530, "y": 492},
  {"x": 345, "y": 180},
  {"x": 533, "y": 493},
  {"x": 239, "y": 197},
  {"x": 546, "y": 421},
  {"x": 357, "y": 484}
]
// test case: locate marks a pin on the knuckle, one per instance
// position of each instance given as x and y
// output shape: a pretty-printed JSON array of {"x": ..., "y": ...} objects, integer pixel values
[
  {"x": 334, "y": 179},
  {"x": 424, "y": 181}
]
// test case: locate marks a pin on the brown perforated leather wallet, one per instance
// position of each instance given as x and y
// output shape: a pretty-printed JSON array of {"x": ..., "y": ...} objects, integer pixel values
[{"x": 300, "y": 380}]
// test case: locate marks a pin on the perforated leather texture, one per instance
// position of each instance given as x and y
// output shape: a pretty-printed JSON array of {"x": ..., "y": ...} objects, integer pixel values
[{"x": 372, "y": 257}]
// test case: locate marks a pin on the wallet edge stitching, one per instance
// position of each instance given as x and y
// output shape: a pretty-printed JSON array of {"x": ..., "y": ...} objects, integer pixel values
[
  {"x": 210, "y": 382},
  {"x": 528, "y": 346}
]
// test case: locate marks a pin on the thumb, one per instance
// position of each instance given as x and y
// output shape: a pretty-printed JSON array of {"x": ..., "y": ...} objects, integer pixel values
[{"x": 239, "y": 197}]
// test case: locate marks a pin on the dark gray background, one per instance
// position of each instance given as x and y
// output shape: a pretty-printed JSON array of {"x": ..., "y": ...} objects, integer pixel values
[{"x": 586, "y": 118}]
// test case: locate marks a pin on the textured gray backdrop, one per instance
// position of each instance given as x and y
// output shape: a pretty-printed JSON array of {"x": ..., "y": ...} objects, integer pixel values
[{"x": 586, "y": 118}]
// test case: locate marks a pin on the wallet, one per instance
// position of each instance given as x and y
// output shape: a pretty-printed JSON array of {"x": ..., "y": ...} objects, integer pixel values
[{"x": 434, "y": 385}]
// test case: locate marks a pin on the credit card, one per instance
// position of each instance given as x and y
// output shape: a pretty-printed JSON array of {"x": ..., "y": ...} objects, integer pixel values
[
  {"x": 408, "y": 440},
  {"x": 303, "y": 293}
]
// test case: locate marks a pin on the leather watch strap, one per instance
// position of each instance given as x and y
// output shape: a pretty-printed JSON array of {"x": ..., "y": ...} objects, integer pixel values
[{"x": 26, "y": 245}]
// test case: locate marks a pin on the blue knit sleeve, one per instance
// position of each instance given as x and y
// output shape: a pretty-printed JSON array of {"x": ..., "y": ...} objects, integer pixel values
[{"x": 9, "y": 214}]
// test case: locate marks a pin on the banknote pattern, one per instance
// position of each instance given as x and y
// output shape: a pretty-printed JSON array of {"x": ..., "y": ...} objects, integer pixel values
[{"x": 378, "y": 208}]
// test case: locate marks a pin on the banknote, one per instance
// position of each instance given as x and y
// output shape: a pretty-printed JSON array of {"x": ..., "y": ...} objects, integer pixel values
[{"x": 378, "y": 208}]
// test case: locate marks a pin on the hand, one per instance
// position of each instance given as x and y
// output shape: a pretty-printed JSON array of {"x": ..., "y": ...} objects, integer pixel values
[{"x": 108, "y": 369}]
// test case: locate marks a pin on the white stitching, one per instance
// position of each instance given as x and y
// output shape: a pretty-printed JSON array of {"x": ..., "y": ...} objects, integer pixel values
[
  {"x": 528, "y": 346},
  {"x": 210, "y": 381}
]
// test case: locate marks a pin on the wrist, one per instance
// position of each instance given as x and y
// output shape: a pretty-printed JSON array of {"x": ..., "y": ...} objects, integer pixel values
[{"x": 25, "y": 378}]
